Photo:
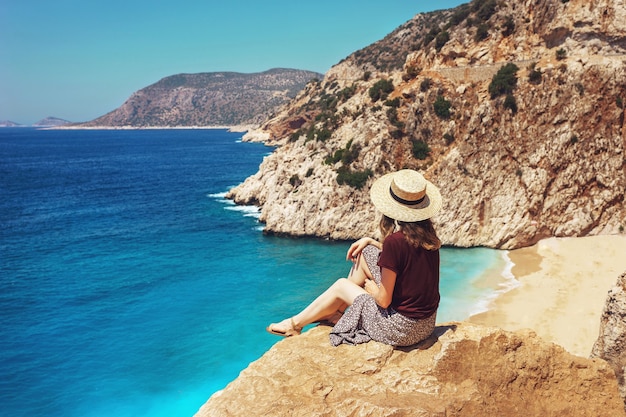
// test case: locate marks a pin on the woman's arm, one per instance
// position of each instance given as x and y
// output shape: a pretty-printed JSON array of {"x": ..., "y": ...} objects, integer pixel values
[
  {"x": 356, "y": 248},
  {"x": 383, "y": 294}
]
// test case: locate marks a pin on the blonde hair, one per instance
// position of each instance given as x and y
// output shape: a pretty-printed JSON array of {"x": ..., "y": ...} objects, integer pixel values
[{"x": 417, "y": 234}]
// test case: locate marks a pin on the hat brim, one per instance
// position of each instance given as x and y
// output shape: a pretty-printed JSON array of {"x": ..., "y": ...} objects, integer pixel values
[{"x": 385, "y": 203}]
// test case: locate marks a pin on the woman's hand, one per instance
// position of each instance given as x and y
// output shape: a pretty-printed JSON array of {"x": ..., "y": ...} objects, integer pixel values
[
  {"x": 382, "y": 294},
  {"x": 371, "y": 288},
  {"x": 356, "y": 248}
]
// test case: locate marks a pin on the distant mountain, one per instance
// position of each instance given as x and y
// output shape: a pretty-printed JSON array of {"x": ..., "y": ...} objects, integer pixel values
[
  {"x": 209, "y": 99},
  {"x": 51, "y": 122},
  {"x": 8, "y": 123}
]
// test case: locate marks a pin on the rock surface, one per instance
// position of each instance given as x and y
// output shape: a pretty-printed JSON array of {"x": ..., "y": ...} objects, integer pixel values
[
  {"x": 462, "y": 370},
  {"x": 611, "y": 344},
  {"x": 551, "y": 166}
]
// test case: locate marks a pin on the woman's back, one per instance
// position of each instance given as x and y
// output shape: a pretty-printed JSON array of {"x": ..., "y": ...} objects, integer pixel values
[{"x": 416, "y": 291}]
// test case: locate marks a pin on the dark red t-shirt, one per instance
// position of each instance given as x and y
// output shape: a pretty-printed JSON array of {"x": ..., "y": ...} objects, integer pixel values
[{"x": 416, "y": 293}]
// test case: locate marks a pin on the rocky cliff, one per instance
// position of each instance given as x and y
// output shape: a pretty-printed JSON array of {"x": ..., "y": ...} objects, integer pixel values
[
  {"x": 515, "y": 109},
  {"x": 611, "y": 343},
  {"x": 462, "y": 370},
  {"x": 208, "y": 99}
]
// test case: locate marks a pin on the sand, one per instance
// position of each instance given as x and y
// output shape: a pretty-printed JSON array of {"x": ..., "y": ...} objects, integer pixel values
[{"x": 562, "y": 289}]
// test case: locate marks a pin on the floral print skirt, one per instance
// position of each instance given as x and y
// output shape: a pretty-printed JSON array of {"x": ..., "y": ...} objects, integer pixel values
[{"x": 365, "y": 320}]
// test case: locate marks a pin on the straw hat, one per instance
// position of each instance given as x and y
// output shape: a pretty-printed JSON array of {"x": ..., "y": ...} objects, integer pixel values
[{"x": 406, "y": 196}]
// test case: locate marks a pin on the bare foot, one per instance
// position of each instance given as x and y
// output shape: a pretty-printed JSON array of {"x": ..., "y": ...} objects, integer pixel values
[{"x": 285, "y": 328}]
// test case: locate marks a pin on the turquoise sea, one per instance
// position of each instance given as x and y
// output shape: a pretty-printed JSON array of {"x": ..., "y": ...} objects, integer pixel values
[{"x": 130, "y": 287}]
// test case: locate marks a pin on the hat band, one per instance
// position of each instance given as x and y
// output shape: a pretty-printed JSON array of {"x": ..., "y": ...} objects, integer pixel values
[{"x": 405, "y": 202}]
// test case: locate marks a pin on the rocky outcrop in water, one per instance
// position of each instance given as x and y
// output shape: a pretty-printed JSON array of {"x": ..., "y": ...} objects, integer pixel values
[
  {"x": 515, "y": 109},
  {"x": 462, "y": 370}
]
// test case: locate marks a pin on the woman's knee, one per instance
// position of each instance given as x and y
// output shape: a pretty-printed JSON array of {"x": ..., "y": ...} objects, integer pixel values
[
  {"x": 347, "y": 290},
  {"x": 342, "y": 282}
]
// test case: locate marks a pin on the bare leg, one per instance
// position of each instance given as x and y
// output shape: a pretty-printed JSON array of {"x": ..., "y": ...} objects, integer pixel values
[
  {"x": 360, "y": 271},
  {"x": 341, "y": 293},
  {"x": 358, "y": 274}
]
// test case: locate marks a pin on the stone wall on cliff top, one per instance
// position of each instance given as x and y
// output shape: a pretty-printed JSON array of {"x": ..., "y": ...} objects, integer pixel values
[
  {"x": 462, "y": 370},
  {"x": 611, "y": 343},
  {"x": 553, "y": 167}
]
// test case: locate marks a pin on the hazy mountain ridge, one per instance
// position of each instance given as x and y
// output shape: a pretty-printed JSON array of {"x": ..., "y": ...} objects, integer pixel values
[
  {"x": 51, "y": 122},
  {"x": 208, "y": 99}
]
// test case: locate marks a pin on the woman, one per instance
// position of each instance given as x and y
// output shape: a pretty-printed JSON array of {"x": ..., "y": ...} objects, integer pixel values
[{"x": 392, "y": 290}]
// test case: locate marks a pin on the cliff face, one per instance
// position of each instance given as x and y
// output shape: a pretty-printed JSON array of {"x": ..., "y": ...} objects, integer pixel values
[
  {"x": 208, "y": 99},
  {"x": 462, "y": 370},
  {"x": 518, "y": 157},
  {"x": 611, "y": 343}
]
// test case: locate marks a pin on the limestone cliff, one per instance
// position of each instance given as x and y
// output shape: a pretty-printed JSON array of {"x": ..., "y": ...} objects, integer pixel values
[
  {"x": 521, "y": 151},
  {"x": 462, "y": 370},
  {"x": 611, "y": 343}
]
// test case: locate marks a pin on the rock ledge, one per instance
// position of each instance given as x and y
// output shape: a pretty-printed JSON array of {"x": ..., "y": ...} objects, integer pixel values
[{"x": 462, "y": 370}]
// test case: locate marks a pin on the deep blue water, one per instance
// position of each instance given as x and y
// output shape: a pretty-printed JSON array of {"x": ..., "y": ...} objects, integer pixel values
[{"x": 130, "y": 287}]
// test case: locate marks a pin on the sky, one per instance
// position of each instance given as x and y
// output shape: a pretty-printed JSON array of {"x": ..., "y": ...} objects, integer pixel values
[{"x": 80, "y": 59}]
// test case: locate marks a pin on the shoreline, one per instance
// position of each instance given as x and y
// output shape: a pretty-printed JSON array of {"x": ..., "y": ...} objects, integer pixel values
[
  {"x": 560, "y": 289},
  {"x": 235, "y": 128}
]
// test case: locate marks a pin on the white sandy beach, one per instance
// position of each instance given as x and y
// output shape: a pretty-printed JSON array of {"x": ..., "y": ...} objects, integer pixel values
[{"x": 563, "y": 286}]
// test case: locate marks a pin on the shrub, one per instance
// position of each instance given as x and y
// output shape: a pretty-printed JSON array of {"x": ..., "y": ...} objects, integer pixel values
[
  {"x": 309, "y": 172},
  {"x": 411, "y": 72},
  {"x": 580, "y": 88},
  {"x": 350, "y": 154},
  {"x": 432, "y": 33},
  {"x": 573, "y": 140},
  {"x": 323, "y": 134},
  {"x": 295, "y": 180},
  {"x": 381, "y": 89},
  {"x": 508, "y": 26},
  {"x": 505, "y": 81},
  {"x": 310, "y": 134},
  {"x": 442, "y": 107},
  {"x": 534, "y": 76},
  {"x": 619, "y": 102},
  {"x": 392, "y": 115},
  {"x": 393, "y": 103},
  {"x": 334, "y": 158},
  {"x": 482, "y": 32},
  {"x": 295, "y": 136},
  {"x": 441, "y": 39},
  {"x": 355, "y": 179},
  {"x": 421, "y": 150},
  {"x": 425, "y": 85},
  {"x": 397, "y": 133},
  {"x": 346, "y": 155},
  {"x": 486, "y": 10},
  {"x": 561, "y": 54},
  {"x": 346, "y": 93},
  {"x": 459, "y": 16},
  {"x": 510, "y": 103},
  {"x": 449, "y": 138}
]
